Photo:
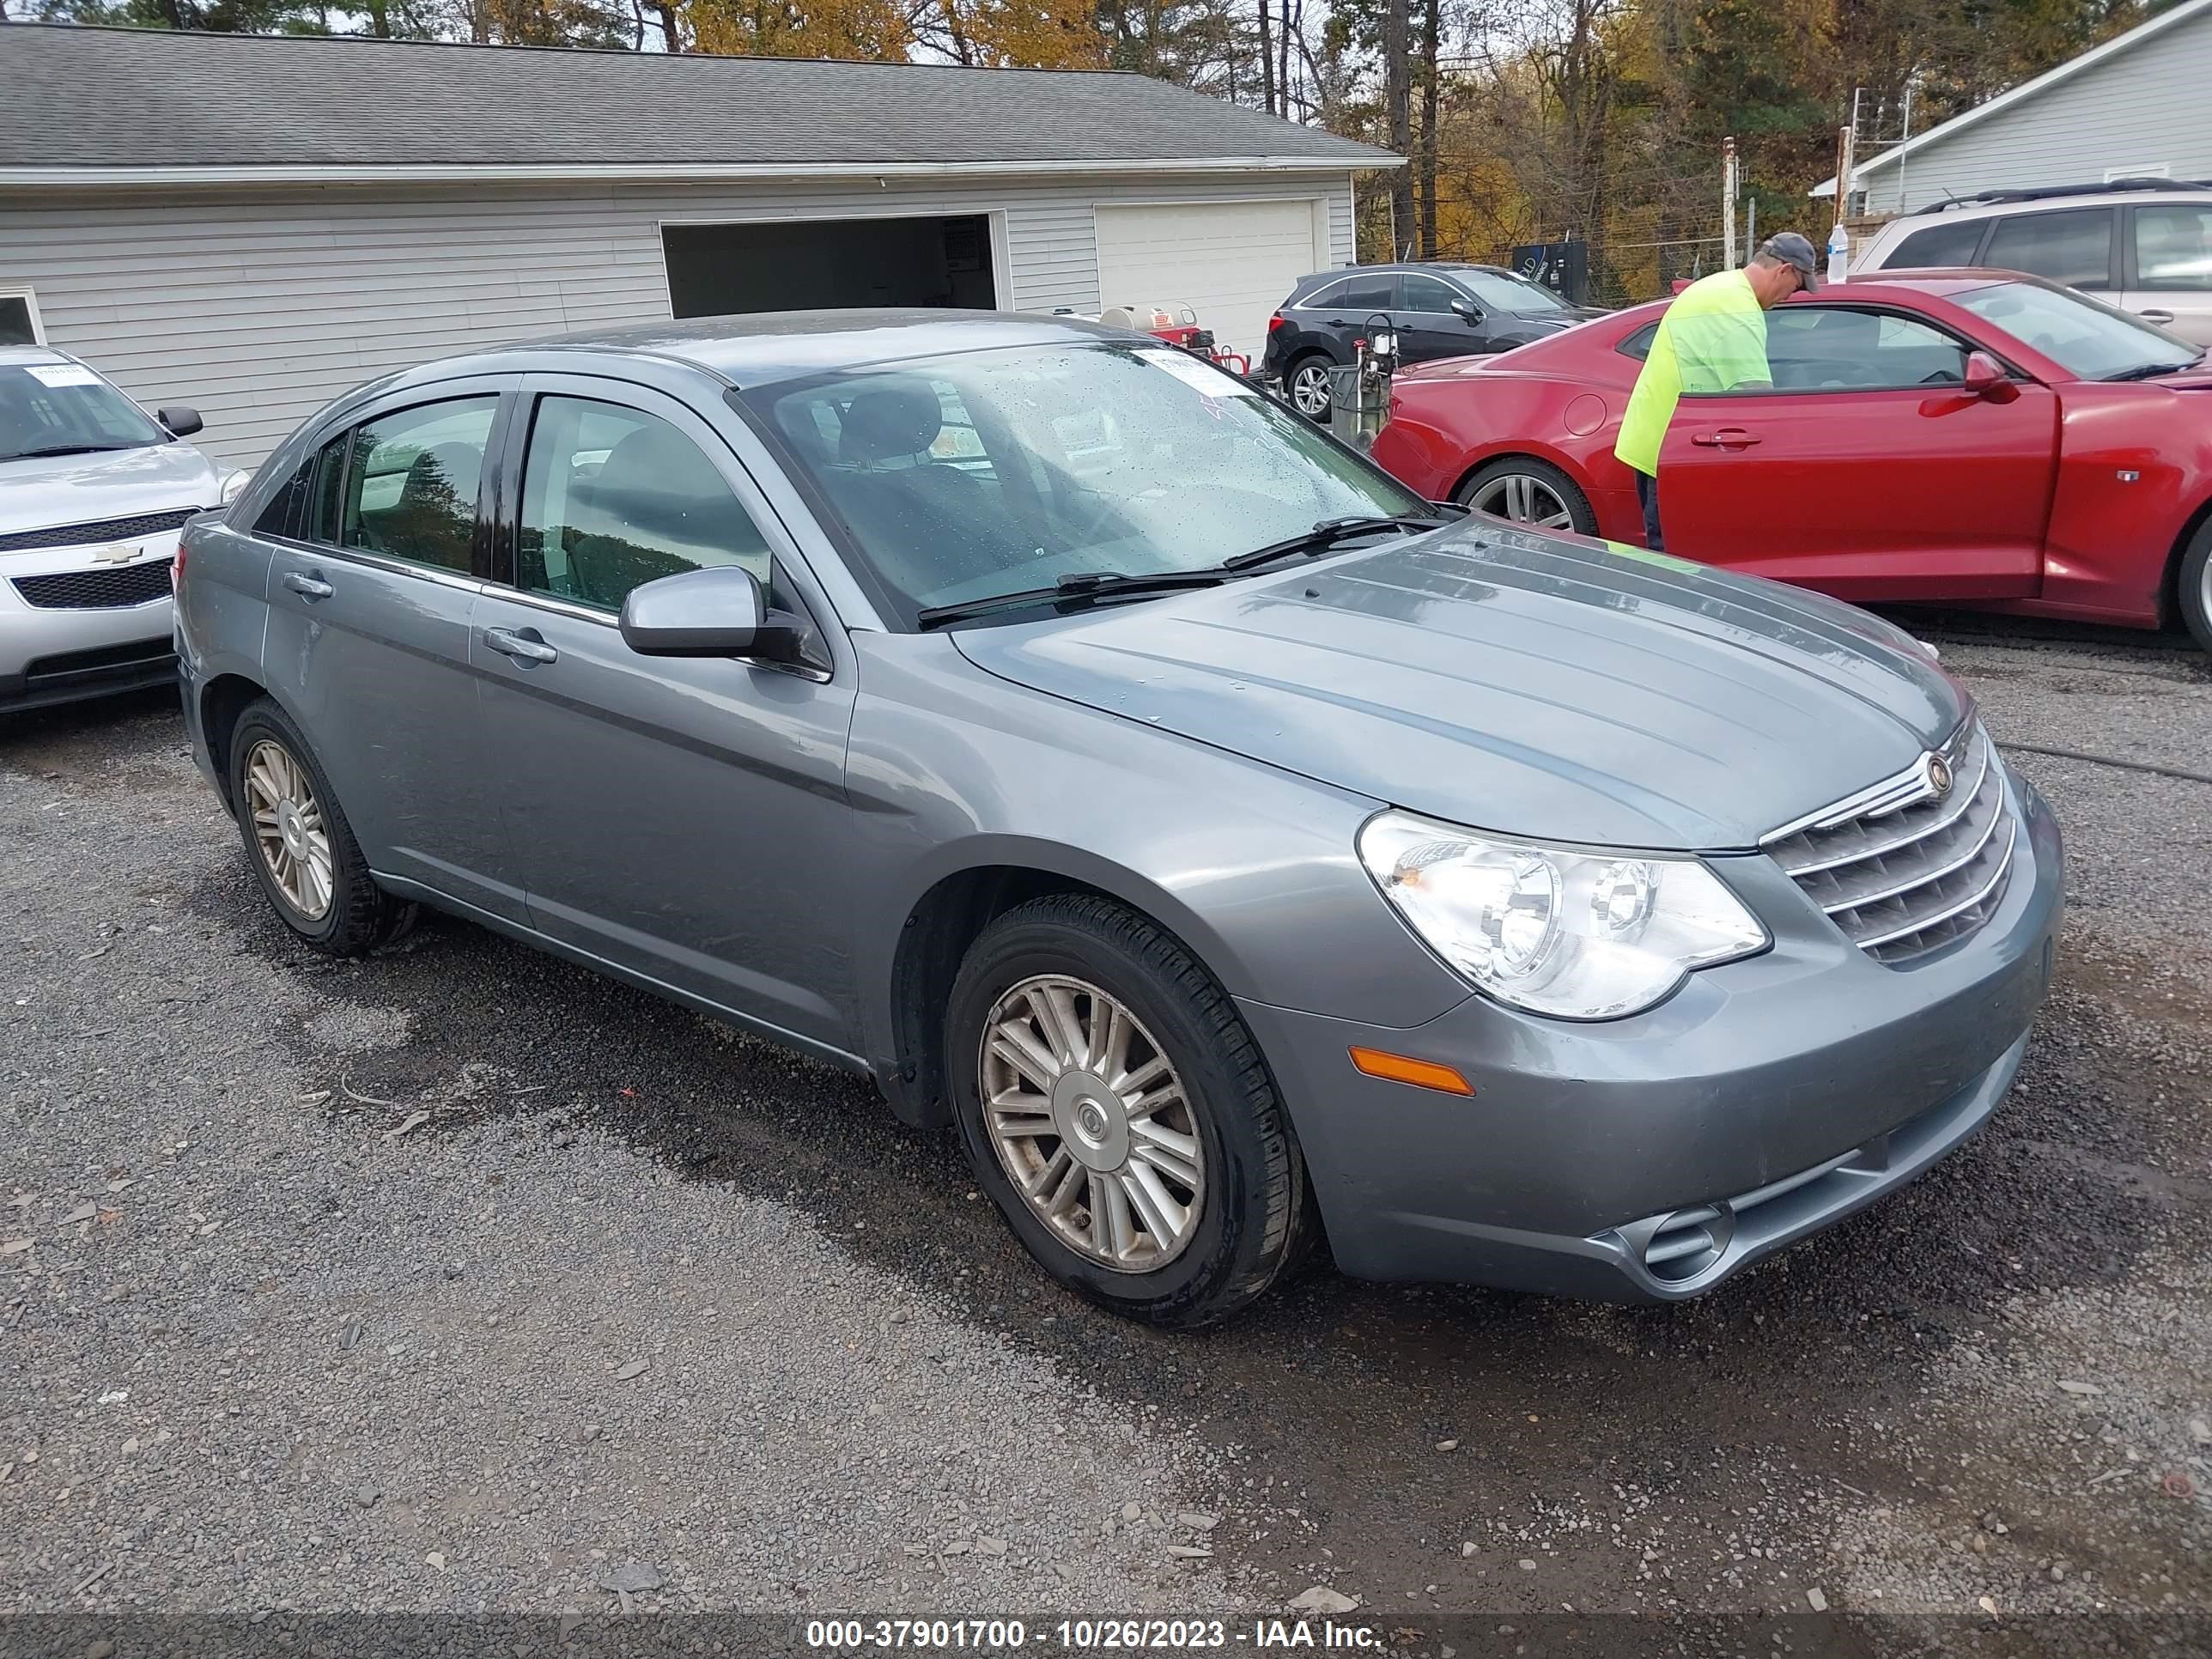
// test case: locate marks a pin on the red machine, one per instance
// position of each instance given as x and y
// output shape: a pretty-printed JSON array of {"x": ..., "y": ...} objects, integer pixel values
[{"x": 1178, "y": 326}]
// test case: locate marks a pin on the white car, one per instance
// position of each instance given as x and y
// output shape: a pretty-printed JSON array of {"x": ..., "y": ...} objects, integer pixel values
[{"x": 93, "y": 492}]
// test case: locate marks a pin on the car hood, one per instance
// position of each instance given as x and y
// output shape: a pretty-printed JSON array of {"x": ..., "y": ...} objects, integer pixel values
[
  {"x": 1524, "y": 683},
  {"x": 118, "y": 484}
]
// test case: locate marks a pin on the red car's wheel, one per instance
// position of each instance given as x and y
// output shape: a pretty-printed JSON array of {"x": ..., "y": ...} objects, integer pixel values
[
  {"x": 1528, "y": 491},
  {"x": 2193, "y": 585}
]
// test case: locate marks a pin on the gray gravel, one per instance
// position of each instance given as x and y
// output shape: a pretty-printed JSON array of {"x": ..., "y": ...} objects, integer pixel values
[{"x": 461, "y": 1253}]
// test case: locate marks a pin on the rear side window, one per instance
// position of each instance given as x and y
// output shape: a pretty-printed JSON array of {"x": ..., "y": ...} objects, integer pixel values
[
  {"x": 1638, "y": 344},
  {"x": 613, "y": 498},
  {"x": 2173, "y": 247},
  {"x": 1377, "y": 291},
  {"x": 2073, "y": 245},
  {"x": 411, "y": 482},
  {"x": 1952, "y": 244}
]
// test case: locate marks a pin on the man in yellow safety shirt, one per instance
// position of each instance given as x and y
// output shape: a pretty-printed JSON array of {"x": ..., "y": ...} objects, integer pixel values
[{"x": 1713, "y": 338}]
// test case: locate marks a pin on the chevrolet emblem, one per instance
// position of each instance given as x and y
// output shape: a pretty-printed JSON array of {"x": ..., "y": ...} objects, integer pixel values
[{"x": 117, "y": 553}]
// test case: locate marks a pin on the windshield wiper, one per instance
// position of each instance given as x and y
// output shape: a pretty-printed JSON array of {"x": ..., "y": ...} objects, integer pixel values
[
  {"x": 1077, "y": 587},
  {"x": 2151, "y": 371},
  {"x": 1326, "y": 535},
  {"x": 67, "y": 449}
]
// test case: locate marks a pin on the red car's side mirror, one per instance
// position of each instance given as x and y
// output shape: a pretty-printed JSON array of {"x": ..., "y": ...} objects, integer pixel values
[{"x": 1985, "y": 377}]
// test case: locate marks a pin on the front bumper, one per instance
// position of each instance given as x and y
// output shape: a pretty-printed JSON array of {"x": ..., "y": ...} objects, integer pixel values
[
  {"x": 59, "y": 655},
  {"x": 1650, "y": 1159}
]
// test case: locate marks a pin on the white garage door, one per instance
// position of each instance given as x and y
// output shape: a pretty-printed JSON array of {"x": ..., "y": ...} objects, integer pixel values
[{"x": 1231, "y": 262}]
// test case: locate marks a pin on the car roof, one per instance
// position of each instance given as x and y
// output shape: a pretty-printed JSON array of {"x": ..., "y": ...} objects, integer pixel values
[
  {"x": 761, "y": 347},
  {"x": 33, "y": 354},
  {"x": 1404, "y": 264},
  {"x": 2044, "y": 197}
]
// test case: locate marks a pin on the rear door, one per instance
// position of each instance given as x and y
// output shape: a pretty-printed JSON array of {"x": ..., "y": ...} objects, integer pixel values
[
  {"x": 2169, "y": 278},
  {"x": 684, "y": 818},
  {"x": 1865, "y": 472},
  {"x": 368, "y": 642}
]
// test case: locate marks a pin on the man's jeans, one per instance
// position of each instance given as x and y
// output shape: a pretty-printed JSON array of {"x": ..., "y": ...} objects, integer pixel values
[{"x": 1647, "y": 496}]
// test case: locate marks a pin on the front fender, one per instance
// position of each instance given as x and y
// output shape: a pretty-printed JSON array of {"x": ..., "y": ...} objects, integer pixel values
[{"x": 951, "y": 770}]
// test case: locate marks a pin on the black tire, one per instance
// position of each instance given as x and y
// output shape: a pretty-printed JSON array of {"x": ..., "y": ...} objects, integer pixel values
[
  {"x": 360, "y": 915},
  {"x": 1312, "y": 363},
  {"x": 2193, "y": 587},
  {"x": 1569, "y": 494},
  {"x": 1254, "y": 1221}
]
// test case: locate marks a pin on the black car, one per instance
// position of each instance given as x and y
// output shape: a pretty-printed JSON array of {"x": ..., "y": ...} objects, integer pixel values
[{"x": 1436, "y": 310}]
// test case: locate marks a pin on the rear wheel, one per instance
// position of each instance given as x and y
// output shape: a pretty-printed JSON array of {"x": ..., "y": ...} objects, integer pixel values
[
  {"x": 2193, "y": 585},
  {"x": 1308, "y": 384},
  {"x": 1115, "y": 1108},
  {"x": 301, "y": 849},
  {"x": 1528, "y": 491}
]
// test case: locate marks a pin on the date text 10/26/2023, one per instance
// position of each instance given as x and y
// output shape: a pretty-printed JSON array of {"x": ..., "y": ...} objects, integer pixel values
[{"x": 1106, "y": 1635}]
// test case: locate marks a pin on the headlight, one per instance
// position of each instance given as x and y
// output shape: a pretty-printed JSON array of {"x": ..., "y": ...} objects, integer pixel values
[
  {"x": 1577, "y": 935},
  {"x": 233, "y": 485}
]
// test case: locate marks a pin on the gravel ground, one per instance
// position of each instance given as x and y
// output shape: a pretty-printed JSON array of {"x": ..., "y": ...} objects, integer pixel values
[{"x": 461, "y": 1280}]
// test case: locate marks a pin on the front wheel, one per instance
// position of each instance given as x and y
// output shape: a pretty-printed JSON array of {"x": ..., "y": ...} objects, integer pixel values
[
  {"x": 1528, "y": 491},
  {"x": 2194, "y": 585},
  {"x": 1115, "y": 1108}
]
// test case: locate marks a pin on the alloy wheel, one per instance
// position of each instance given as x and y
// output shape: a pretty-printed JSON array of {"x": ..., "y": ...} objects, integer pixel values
[
  {"x": 1090, "y": 1123},
  {"x": 1310, "y": 390},
  {"x": 1524, "y": 499},
  {"x": 288, "y": 829}
]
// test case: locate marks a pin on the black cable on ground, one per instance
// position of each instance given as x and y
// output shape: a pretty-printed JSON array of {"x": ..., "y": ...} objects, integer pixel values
[{"x": 2183, "y": 773}]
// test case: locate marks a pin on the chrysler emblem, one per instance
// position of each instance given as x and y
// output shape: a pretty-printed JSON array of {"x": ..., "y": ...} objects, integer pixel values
[
  {"x": 1939, "y": 776},
  {"x": 117, "y": 553}
]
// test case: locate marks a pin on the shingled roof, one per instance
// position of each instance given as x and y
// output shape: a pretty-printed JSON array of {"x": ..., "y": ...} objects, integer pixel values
[{"x": 80, "y": 100}]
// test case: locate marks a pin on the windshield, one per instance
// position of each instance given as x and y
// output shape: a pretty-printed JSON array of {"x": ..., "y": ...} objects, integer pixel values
[
  {"x": 965, "y": 477},
  {"x": 1499, "y": 292},
  {"x": 65, "y": 408},
  {"x": 2091, "y": 340}
]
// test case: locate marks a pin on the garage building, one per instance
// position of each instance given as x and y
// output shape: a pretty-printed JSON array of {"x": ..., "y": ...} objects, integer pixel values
[{"x": 251, "y": 224}]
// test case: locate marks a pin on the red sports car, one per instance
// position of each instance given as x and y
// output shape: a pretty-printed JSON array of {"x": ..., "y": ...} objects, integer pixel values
[{"x": 1967, "y": 436}]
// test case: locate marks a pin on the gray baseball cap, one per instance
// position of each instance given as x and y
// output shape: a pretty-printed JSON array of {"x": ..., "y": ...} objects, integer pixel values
[{"x": 1793, "y": 249}]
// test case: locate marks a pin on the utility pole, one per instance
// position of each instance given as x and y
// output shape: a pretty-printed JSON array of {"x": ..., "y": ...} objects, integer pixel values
[
  {"x": 1751, "y": 226},
  {"x": 1843, "y": 141},
  {"x": 1727, "y": 204}
]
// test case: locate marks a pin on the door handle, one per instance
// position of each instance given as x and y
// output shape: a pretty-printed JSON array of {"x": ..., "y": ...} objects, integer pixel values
[
  {"x": 306, "y": 586},
  {"x": 2155, "y": 316},
  {"x": 521, "y": 647},
  {"x": 1727, "y": 437}
]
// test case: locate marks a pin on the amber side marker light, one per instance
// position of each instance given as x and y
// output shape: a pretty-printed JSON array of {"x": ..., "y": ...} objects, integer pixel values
[{"x": 1402, "y": 1068}]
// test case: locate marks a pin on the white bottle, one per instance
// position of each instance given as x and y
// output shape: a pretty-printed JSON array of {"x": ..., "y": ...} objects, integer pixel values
[{"x": 1839, "y": 253}]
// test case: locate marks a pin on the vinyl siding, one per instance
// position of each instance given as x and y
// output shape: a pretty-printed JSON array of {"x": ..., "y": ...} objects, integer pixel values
[
  {"x": 257, "y": 308},
  {"x": 2144, "y": 107}
]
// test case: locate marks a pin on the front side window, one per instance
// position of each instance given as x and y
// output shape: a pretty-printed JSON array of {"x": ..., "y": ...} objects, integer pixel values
[
  {"x": 2093, "y": 341},
  {"x": 1426, "y": 294},
  {"x": 1811, "y": 348},
  {"x": 65, "y": 408},
  {"x": 284, "y": 515},
  {"x": 2073, "y": 245},
  {"x": 2173, "y": 247},
  {"x": 411, "y": 480},
  {"x": 1954, "y": 243},
  {"x": 1108, "y": 458},
  {"x": 613, "y": 498}
]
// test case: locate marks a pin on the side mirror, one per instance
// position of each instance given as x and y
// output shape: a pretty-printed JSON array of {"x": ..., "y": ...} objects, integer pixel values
[
  {"x": 181, "y": 419},
  {"x": 1467, "y": 311},
  {"x": 1985, "y": 377},
  {"x": 720, "y": 612}
]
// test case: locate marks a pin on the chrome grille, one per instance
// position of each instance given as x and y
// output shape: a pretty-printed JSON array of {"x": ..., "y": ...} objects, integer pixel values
[{"x": 1905, "y": 867}]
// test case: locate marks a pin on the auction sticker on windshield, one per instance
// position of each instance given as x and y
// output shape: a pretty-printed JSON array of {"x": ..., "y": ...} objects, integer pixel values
[
  {"x": 61, "y": 374},
  {"x": 1194, "y": 374}
]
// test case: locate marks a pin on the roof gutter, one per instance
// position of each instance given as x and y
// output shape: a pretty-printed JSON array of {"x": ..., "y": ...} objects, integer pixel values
[{"x": 120, "y": 178}]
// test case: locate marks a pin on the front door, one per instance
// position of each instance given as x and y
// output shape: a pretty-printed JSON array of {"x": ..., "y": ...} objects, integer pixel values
[
  {"x": 1865, "y": 471},
  {"x": 371, "y": 595},
  {"x": 683, "y": 819},
  {"x": 1428, "y": 327}
]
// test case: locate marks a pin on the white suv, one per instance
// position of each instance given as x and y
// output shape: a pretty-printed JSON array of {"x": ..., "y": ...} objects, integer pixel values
[
  {"x": 2144, "y": 245},
  {"x": 92, "y": 491}
]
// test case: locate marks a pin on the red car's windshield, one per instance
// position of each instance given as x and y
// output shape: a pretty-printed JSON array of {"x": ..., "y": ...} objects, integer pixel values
[{"x": 2091, "y": 340}]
